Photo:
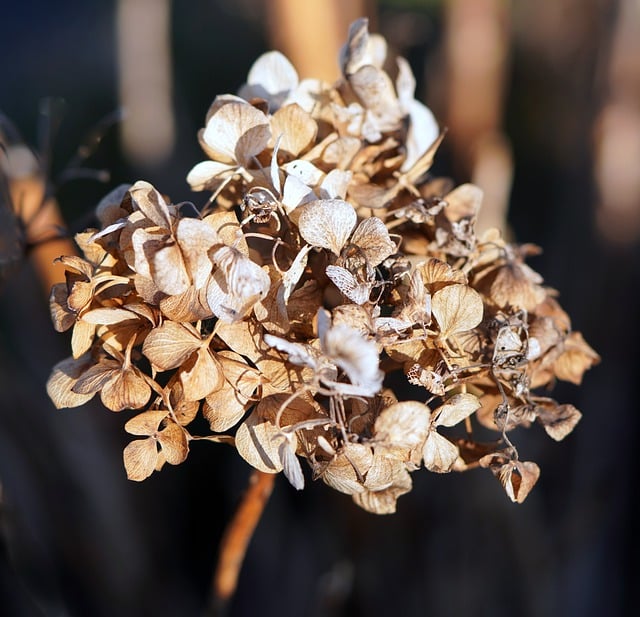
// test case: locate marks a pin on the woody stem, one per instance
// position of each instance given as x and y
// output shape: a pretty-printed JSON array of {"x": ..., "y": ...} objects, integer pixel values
[{"x": 236, "y": 539}]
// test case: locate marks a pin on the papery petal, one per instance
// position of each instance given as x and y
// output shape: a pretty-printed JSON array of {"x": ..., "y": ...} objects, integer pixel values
[
  {"x": 236, "y": 133},
  {"x": 327, "y": 223},
  {"x": 140, "y": 457},
  {"x": 150, "y": 202},
  {"x": 62, "y": 379}
]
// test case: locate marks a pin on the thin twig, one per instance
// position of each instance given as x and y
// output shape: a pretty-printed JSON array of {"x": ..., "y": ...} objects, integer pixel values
[{"x": 236, "y": 539}]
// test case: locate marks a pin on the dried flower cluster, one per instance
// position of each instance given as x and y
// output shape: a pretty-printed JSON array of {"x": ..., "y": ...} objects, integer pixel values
[{"x": 327, "y": 281}]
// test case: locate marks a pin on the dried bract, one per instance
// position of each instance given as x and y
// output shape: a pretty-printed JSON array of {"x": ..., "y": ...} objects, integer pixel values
[{"x": 327, "y": 271}]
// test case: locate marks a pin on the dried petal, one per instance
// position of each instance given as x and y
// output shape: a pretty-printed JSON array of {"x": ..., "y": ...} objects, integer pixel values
[
  {"x": 170, "y": 345},
  {"x": 174, "y": 444},
  {"x": 236, "y": 133},
  {"x": 457, "y": 308},
  {"x": 62, "y": 380},
  {"x": 140, "y": 457},
  {"x": 327, "y": 223},
  {"x": 439, "y": 453},
  {"x": 403, "y": 425},
  {"x": 456, "y": 409}
]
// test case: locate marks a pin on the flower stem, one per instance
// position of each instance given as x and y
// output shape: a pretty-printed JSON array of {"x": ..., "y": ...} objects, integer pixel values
[{"x": 236, "y": 539}]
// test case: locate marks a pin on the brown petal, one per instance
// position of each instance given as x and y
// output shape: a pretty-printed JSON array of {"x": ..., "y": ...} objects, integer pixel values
[
  {"x": 96, "y": 376},
  {"x": 403, "y": 425},
  {"x": 558, "y": 420},
  {"x": 575, "y": 360},
  {"x": 297, "y": 127},
  {"x": 82, "y": 338},
  {"x": 201, "y": 375},
  {"x": 195, "y": 238},
  {"x": 439, "y": 453},
  {"x": 126, "y": 389},
  {"x": 146, "y": 423},
  {"x": 61, "y": 316},
  {"x": 372, "y": 236},
  {"x": 463, "y": 202},
  {"x": 107, "y": 315},
  {"x": 384, "y": 501},
  {"x": 170, "y": 345},
  {"x": 63, "y": 378},
  {"x": 347, "y": 471},
  {"x": 257, "y": 441},
  {"x": 457, "y": 308},
  {"x": 140, "y": 458},
  {"x": 224, "y": 408},
  {"x": 174, "y": 444},
  {"x": 518, "y": 479},
  {"x": 189, "y": 306}
]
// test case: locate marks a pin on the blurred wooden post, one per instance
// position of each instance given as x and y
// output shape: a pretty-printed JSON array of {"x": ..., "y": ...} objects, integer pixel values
[
  {"x": 476, "y": 47},
  {"x": 310, "y": 33},
  {"x": 145, "y": 80},
  {"x": 617, "y": 134}
]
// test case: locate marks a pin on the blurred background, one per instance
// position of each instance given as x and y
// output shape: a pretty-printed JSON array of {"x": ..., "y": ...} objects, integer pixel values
[{"x": 542, "y": 102}]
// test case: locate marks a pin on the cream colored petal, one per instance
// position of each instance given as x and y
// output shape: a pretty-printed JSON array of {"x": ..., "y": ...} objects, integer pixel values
[
  {"x": 348, "y": 284},
  {"x": 403, "y": 425},
  {"x": 205, "y": 174},
  {"x": 347, "y": 471},
  {"x": 169, "y": 270},
  {"x": 385, "y": 501},
  {"x": 456, "y": 409},
  {"x": 327, "y": 223},
  {"x": 271, "y": 74},
  {"x": 151, "y": 203},
  {"x": 439, "y": 453},
  {"x": 457, "y": 308},
  {"x": 195, "y": 238},
  {"x": 356, "y": 356},
  {"x": 290, "y": 463},
  {"x": 335, "y": 184},
  {"x": 236, "y": 133},
  {"x": 304, "y": 171}
]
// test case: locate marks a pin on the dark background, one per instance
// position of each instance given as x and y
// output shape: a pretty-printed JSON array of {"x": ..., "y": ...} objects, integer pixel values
[{"x": 78, "y": 539}]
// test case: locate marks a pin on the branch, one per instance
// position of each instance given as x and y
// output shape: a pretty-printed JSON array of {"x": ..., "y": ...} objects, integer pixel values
[{"x": 237, "y": 537}]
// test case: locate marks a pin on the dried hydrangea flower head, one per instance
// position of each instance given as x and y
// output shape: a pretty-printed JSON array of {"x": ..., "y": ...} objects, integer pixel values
[{"x": 327, "y": 272}]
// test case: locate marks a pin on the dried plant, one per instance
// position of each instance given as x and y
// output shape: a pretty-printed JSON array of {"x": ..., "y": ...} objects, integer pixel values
[{"x": 329, "y": 279}]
